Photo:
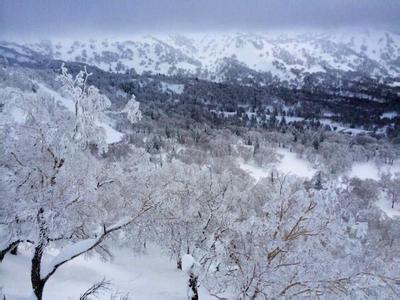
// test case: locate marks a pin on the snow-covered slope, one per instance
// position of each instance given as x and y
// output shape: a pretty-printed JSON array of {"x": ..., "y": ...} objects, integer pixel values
[
  {"x": 147, "y": 276},
  {"x": 287, "y": 56}
]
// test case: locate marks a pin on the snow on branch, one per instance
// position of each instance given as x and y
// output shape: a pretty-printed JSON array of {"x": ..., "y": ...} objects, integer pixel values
[
  {"x": 81, "y": 247},
  {"x": 67, "y": 254}
]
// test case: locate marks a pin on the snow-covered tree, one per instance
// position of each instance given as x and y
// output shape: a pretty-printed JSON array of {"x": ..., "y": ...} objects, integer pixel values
[
  {"x": 297, "y": 243},
  {"x": 391, "y": 184},
  {"x": 51, "y": 190},
  {"x": 88, "y": 108},
  {"x": 132, "y": 110}
]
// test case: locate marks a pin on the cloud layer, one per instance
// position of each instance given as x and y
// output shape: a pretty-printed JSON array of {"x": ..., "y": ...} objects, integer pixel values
[{"x": 47, "y": 18}]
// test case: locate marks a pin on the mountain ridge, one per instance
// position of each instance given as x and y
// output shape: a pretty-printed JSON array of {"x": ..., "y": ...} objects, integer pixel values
[{"x": 285, "y": 58}]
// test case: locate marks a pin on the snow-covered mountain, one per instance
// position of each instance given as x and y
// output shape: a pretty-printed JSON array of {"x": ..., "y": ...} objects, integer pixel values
[{"x": 285, "y": 56}]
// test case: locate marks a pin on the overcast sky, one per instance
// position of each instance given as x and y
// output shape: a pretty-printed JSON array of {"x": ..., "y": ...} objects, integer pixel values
[{"x": 49, "y": 18}]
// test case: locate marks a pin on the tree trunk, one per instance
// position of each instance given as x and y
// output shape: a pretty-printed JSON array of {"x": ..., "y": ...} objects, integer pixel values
[
  {"x": 36, "y": 279},
  {"x": 37, "y": 282},
  {"x": 38, "y": 290},
  {"x": 193, "y": 286},
  {"x": 179, "y": 263},
  {"x": 3, "y": 253}
]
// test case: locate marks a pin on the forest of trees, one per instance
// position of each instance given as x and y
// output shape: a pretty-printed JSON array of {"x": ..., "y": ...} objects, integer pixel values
[{"x": 173, "y": 180}]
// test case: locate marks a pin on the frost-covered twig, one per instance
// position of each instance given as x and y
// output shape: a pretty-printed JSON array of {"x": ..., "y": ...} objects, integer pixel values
[{"x": 96, "y": 289}]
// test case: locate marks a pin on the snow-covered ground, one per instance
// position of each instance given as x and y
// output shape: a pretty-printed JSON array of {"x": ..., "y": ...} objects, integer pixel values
[
  {"x": 147, "y": 276},
  {"x": 339, "y": 127},
  {"x": 370, "y": 170},
  {"x": 386, "y": 207},
  {"x": 389, "y": 115},
  {"x": 172, "y": 87},
  {"x": 112, "y": 135},
  {"x": 289, "y": 163},
  {"x": 253, "y": 170}
]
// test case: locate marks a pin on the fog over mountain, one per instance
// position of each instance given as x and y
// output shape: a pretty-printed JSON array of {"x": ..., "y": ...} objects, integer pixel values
[{"x": 47, "y": 18}]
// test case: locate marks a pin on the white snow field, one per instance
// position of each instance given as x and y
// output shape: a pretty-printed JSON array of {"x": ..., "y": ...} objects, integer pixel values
[
  {"x": 143, "y": 277},
  {"x": 386, "y": 207},
  {"x": 289, "y": 163},
  {"x": 370, "y": 170},
  {"x": 172, "y": 87},
  {"x": 254, "y": 171}
]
